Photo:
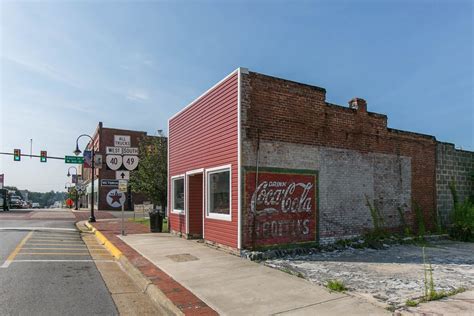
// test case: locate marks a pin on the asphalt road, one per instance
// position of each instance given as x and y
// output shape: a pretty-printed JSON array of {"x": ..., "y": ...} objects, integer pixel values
[{"x": 46, "y": 269}]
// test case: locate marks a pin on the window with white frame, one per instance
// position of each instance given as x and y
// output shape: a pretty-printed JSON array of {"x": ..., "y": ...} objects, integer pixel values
[
  {"x": 178, "y": 194},
  {"x": 218, "y": 193}
]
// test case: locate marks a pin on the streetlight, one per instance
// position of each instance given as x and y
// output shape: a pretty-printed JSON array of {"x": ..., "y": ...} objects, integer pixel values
[
  {"x": 77, "y": 179},
  {"x": 77, "y": 152}
]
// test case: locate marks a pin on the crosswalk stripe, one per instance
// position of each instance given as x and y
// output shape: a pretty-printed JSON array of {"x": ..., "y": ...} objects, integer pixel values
[{"x": 55, "y": 253}]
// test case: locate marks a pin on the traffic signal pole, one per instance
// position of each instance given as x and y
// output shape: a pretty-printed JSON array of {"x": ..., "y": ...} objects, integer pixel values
[{"x": 35, "y": 156}]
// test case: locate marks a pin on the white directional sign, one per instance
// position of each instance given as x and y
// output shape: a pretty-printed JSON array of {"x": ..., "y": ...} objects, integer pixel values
[
  {"x": 122, "y": 175},
  {"x": 113, "y": 150},
  {"x": 122, "y": 141},
  {"x": 130, "y": 151},
  {"x": 122, "y": 185},
  {"x": 113, "y": 161},
  {"x": 130, "y": 162}
]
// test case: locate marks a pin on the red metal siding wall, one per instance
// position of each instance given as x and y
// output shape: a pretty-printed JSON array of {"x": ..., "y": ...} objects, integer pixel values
[
  {"x": 205, "y": 136},
  {"x": 195, "y": 204}
]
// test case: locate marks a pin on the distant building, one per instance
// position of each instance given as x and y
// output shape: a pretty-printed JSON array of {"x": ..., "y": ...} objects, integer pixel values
[{"x": 106, "y": 194}]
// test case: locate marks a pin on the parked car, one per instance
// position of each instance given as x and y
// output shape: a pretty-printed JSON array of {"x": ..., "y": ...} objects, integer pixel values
[
  {"x": 35, "y": 205},
  {"x": 15, "y": 202}
]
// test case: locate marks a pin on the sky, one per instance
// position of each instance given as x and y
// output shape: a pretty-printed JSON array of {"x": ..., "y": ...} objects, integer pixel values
[{"x": 66, "y": 65}]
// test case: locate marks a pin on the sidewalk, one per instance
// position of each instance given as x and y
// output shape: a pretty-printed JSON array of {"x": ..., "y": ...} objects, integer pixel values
[{"x": 200, "y": 280}]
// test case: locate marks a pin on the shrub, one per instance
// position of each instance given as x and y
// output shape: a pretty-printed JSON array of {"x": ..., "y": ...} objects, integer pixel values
[
  {"x": 420, "y": 220},
  {"x": 462, "y": 219},
  {"x": 336, "y": 286},
  {"x": 411, "y": 303}
]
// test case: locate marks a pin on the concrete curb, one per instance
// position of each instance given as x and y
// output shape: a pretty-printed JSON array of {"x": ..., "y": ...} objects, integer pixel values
[{"x": 161, "y": 301}]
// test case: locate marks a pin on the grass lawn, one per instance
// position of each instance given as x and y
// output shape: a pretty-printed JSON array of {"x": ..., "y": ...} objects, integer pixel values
[{"x": 146, "y": 222}]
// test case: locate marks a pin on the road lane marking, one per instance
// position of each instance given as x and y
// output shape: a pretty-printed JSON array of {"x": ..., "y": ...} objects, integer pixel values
[
  {"x": 39, "y": 228},
  {"x": 56, "y": 248},
  {"x": 55, "y": 253},
  {"x": 55, "y": 239},
  {"x": 52, "y": 244},
  {"x": 15, "y": 251},
  {"x": 65, "y": 260}
]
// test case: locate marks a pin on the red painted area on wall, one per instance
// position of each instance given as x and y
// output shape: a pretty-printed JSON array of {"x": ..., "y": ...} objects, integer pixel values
[
  {"x": 204, "y": 135},
  {"x": 195, "y": 207},
  {"x": 280, "y": 208}
]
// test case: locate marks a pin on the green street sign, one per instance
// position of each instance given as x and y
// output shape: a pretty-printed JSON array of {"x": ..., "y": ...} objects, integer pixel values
[{"x": 74, "y": 159}]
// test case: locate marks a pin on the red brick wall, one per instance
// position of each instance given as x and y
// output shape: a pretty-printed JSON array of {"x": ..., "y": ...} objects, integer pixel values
[
  {"x": 106, "y": 139},
  {"x": 285, "y": 111}
]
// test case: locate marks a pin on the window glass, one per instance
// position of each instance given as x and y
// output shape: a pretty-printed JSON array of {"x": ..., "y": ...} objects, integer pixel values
[
  {"x": 219, "y": 192},
  {"x": 178, "y": 194}
]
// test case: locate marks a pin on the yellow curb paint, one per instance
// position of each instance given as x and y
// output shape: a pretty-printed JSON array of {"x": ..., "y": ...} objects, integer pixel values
[
  {"x": 15, "y": 251},
  {"x": 105, "y": 242}
]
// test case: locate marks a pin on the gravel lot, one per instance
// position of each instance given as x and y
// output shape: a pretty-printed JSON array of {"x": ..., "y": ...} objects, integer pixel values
[{"x": 389, "y": 276}]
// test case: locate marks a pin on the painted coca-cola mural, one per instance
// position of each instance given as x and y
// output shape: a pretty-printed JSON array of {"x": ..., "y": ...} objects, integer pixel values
[{"x": 280, "y": 206}]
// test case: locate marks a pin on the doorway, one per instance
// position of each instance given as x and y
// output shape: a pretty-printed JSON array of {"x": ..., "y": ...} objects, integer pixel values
[{"x": 195, "y": 205}]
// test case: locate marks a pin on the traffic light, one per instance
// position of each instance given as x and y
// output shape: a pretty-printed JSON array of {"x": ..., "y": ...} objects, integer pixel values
[
  {"x": 16, "y": 154},
  {"x": 44, "y": 156}
]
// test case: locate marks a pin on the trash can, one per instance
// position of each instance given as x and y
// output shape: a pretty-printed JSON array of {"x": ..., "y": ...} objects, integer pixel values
[{"x": 156, "y": 221}]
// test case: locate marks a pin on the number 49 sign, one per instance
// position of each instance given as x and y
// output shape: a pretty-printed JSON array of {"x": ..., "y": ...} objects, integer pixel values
[{"x": 130, "y": 162}]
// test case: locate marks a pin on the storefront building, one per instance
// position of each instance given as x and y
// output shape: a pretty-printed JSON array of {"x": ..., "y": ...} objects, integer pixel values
[
  {"x": 258, "y": 161},
  {"x": 106, "y": 193}
]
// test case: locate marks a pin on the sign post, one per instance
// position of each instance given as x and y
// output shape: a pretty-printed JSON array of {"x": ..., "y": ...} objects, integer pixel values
[
  {"x": 2, "y": 177},
  {"x": 122, "y": 186}
]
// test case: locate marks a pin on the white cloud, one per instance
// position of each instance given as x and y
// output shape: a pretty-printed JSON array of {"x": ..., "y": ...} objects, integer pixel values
[
  {"x": 44, "y": 70},
  {"x": 137, "y": 95}
]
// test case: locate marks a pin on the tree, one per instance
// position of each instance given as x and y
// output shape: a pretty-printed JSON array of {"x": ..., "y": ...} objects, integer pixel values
[{"x": 151, "y": 176}]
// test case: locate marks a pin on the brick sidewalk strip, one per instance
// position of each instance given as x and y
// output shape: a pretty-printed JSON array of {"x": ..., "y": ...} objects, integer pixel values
[
  {"x": 187, "y": 302},
  {"x": 84, "y": 215}
]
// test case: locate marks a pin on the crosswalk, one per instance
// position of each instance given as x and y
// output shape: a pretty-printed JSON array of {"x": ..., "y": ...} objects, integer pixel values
[{"x": 57, "y": 246}]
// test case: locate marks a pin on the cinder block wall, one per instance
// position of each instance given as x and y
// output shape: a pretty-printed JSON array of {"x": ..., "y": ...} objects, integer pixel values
[
  {"x": 345, "y": 178},
  {"x": 452, "y": 165},
  {"x": 353, "y": 150}
]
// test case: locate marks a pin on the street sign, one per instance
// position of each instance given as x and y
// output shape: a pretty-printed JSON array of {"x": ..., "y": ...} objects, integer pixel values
[
  {"x": 80, "y": 188},
  {"x": 2, "y": 179},
  {"x": 130, "y": 162},
  {"x": 122, "y": 141},
  {"x": 113, "y": 161},
  {"x": 74, "y": 159},
  {"x": 87, "y": 159},
  {"x": 113, "y": 150},
  {"x": 130, "y": 151},
  {"x": 97, "y": 161},
  {"x": 109, "y": 183},
  {"x": 115, "y": 198},
  {"x": 122, "y": 175},
  {"x": 122, "y": 185}
]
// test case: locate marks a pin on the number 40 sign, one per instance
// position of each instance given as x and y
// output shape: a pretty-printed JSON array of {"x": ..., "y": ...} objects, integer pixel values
[{"x": 114, "y": 162}]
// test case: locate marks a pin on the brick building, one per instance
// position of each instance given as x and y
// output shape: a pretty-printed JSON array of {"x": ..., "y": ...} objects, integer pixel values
[
  {"x": 106, "y": 184},
  {"x": 259, "y": 161}
]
